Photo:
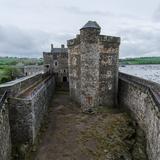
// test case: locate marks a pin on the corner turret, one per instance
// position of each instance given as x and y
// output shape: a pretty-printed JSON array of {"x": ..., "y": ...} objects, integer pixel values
[{"x": 90, "y": 31}]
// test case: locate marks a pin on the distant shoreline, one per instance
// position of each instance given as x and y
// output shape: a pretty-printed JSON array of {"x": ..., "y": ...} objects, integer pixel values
[
  {"x": 140, "y": 61},
  {"x": 136, "y": 64}
]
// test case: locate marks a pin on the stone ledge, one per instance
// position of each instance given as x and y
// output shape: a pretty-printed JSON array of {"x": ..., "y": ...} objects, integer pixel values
[{"x": 109, "y": 39}]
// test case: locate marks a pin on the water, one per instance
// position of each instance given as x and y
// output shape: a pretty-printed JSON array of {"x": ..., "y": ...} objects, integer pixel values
[{"x": 149, "y": 72}]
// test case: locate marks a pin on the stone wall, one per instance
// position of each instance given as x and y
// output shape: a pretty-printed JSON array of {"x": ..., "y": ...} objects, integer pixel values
[
  {"x": 142, "y": 98},
  {"x": 27, "y": 112},
  {"x": 74, "y": 63},
  {"x": 93, "y": 67},
  {"x": 17, "y": 86},
  {"x": 33, "y": 69},
  {"x": 40, "y": 102},
  {"x": 108, "y": 71},
  {"x": 48, "y": 60},
  {"x": 5, "y": 142},
  {"x": 57, "y": 61}
]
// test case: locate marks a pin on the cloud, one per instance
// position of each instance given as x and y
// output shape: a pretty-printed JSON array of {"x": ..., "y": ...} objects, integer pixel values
[
  {"x": 79, "y": 11},
  {"x": 138, "y": 42},
  {"x": 156, "y": 15},
  {"x": 32, "y": 26},
  {"x": 27, "y": 43}
]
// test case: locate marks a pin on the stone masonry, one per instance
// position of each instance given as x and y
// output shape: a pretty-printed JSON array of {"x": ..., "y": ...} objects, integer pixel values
[
  {"x": 27, "y": 111},
  {"x": 56, "y": 62},
  {"x": 5, "y": 140},
  {"x": 141, "y": 98},
  {"x": 93, "y": 67}
]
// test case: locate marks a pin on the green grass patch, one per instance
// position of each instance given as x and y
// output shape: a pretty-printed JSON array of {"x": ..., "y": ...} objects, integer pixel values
[{"x": 140, "y": 60}]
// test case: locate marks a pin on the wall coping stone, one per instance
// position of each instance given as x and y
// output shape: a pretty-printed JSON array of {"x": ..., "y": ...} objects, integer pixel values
[
  {"x": 11, "y": 83},
  {"x": 34, "y": 91}
]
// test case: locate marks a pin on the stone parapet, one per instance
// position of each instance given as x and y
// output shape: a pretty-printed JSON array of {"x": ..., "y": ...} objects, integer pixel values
[
  {"x": 74, "y": 41},
  {"x": 5, "y": 139},
  {"x": 15, "y": 87},
  {"x": 142, "y": 99},
  {"x": 26, "y": 112}
]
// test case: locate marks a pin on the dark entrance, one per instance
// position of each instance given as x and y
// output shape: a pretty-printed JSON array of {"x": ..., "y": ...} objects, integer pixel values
[{"x": 64, "y": 79}]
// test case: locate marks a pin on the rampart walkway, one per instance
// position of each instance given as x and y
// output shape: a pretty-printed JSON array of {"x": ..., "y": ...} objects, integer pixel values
[{"x": 72, "y": 135}]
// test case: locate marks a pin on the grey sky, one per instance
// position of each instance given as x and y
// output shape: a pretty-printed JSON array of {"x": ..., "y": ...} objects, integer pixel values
[{"x": 27, "y": 27}]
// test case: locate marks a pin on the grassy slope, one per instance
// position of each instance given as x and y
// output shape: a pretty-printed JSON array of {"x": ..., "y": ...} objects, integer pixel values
[
  {"x": 15, "y": 60},
  {"x": 141, "y": 60}
]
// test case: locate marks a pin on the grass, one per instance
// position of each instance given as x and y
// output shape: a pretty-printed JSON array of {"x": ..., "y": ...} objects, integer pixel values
[
  {"x": 15, "y": 60},
  {"x": 1, "y": 71},
  {"x": 11, "y": 65},
  {"x": 111, "y": 136},
  {"x": 140, "y": 60}
]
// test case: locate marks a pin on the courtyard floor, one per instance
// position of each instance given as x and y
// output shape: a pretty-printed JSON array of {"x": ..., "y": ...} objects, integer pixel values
[{"x": 109, "y": 134}]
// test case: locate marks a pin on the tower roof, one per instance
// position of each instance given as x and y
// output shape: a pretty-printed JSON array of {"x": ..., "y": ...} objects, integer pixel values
[{"x": 91, "y": 24}]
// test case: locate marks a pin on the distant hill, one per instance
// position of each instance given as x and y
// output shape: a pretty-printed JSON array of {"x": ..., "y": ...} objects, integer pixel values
[
  {"x": 24, "y": 61},
  {"x": 140, "y": 60},
  {"x": 10, "y": 67}
]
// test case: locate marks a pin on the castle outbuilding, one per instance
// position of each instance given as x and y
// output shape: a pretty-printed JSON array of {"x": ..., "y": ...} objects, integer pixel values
[
  {"x": 93, "y": 67},
  {"x": 56, "y": 62}
]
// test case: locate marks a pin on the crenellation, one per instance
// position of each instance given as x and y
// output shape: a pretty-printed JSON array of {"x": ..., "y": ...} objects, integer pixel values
[
  {"x": 74, "y": 41},
  {"x": 109, "y": 39}
]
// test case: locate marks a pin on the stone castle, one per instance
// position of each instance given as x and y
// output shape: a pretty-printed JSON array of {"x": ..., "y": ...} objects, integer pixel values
[
  {"x": 93, "y": 67},
  {"x": 92, "y": 61},
  {"x": 57, "y": 63},
  {"x": 90, "y": 66}
]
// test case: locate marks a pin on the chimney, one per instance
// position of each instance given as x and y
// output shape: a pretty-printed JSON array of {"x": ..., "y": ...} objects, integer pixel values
[
  {"x": 51, "y": 47},
  {"x": 62, "y": 46}
]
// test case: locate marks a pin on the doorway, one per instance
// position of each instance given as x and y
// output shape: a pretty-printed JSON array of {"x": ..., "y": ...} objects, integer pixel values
[{"x": 64, "y": 79}]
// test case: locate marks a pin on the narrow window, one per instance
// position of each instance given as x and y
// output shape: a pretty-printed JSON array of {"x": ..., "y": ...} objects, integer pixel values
[{"x": 64, "y": 79}]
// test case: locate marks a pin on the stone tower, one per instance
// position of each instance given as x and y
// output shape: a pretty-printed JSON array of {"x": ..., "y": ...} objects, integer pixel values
[
  {"x": 93, "y": 67},
  {"x": 56, "y": 61}
]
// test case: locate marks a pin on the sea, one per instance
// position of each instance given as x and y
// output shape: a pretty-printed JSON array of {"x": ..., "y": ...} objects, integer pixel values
[{"x": 149, "y": 72}]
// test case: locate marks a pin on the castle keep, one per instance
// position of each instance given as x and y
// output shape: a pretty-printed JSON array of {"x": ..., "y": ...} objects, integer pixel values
[
  {"x": 93, "y": 67},
  {"x": 56, "y": 62}
]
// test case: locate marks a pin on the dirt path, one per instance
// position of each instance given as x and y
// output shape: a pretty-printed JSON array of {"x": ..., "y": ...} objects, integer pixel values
[{"x": 73, "y": 135}]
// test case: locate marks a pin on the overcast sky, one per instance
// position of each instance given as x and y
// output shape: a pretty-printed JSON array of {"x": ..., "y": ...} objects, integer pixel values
[{"x": 28, "y": 27}]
